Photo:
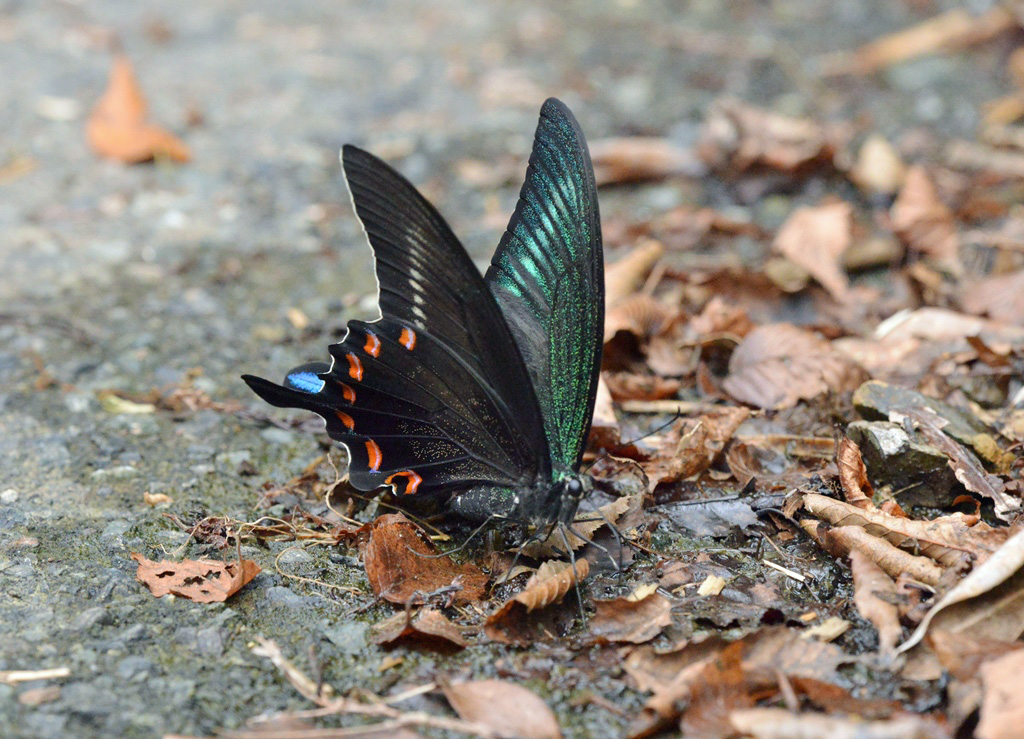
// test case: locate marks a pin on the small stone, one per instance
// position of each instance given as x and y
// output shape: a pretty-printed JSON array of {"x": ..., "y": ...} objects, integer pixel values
[
  {"x": 918, "y": 473},
  {"x": 209, "y": 642},
  {"x": 97, "y": 615},
  {"x": 282, "y": 596},
  {"x": 9, "y": 496},
  {"x": 134, "y": 668},
  {"x": 295, "y": 555},
  {"x": 278, "y": 436}
]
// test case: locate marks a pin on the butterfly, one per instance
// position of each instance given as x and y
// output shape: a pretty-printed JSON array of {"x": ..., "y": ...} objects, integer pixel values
[{"x": 477, "y": 388}]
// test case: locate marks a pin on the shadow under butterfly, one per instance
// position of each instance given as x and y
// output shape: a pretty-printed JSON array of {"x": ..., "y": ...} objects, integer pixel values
[{"x": 477, "y": 389}]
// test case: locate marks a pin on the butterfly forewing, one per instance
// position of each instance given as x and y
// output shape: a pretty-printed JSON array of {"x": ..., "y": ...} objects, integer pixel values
[
  {"x": 435, "y": 393},
  {"x": 548, "y": 277}
]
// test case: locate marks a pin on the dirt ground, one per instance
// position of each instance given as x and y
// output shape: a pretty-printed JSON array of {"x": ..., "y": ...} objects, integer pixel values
[{"x": 247, "y": 259}]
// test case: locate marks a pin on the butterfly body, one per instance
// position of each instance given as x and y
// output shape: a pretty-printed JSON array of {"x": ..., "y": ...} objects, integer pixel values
[{"x": 478, "y": 389}]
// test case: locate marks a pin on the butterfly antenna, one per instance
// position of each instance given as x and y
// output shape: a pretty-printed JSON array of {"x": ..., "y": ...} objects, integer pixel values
[
  {"x": 604, "y": 453},
  {"x": 575, "y": 574}
]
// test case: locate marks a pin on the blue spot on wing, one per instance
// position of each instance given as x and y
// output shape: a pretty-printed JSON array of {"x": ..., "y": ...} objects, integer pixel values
[{"x": 306, "y": 377}]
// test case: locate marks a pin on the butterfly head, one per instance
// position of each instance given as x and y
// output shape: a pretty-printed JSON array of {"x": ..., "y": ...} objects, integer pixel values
[{"x": 557, "y": 504}]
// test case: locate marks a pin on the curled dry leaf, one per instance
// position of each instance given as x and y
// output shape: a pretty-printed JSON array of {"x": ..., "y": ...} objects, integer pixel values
[
  {"x": 874, "y": 594},
  {"x": 639, "y": 314},
  {"x": 841, "y": 540},
  {"x": 548, "y": 585},
  {"x": 117, "y": 127},
  {"x": 923, "y": 221},
  {"x": 509, "y": 709},
  {"x": 778, "y": 364},
  {"x": 853, "y": 475},
  {"x": 636, "y": 618},
  {"x": 403, "y": 567},
  {"x": 624, "y": 277},
  {"x": 989, "y": 600},
  {"x": 427, "y": 625},
  {"x": 698, "y": 447},
  {"x": 638, "y": 159},
  {"x": 740, "y": 136},
  {"x": 200, "y": 580},
  {"x": 816, "y": 238},
  {"x": 946, "y": 540},
  {"x": 780, "y": 723}
]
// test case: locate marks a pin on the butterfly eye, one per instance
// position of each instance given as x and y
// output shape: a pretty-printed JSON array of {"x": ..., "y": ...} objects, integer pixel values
[{"x": 575, "y": 487}]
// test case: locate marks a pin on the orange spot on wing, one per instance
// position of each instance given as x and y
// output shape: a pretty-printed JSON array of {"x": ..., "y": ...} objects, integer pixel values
[
  {"x": 355, "y": 367},
  {"x": 348, "y": 393},
  {"x": 374, "y": 455},
  {"x": 413, "y": 483},
  {"x": 372, "y": 344},
  {"x": 346, "y": 419},
  {"x": 408, "y": 338}
]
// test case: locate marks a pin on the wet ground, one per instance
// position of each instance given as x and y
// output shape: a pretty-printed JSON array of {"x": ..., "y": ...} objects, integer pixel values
[{"x": 132, "y": 278}]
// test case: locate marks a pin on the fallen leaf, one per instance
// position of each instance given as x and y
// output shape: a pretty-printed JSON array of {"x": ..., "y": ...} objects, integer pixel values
[
  {"x": 1002, "y": 708},
  {"x": 403, "y": 567},
  {"x": 630, "y": 619},
  {"x": 117, "y": 127},
  {"x": 203, "y": 580},
  {"x": 1000, "y": 298},
  {"x": 624, "y": 277},
  {"x": 585, "y": 524},
  {"x": 841, "y": 540},
  {"x": 830, "y": 629},
  {"x": 874, "y": 594},
  {"x": 923, "y": 221},
  {"x": 778, "y": 364},
  {"x": 779, "y": 723},
  {"x": 509, "y": 709},
  {"x": 510, "y": 625},
  {"x": 428, "y": 625},
  {"x": 639, "y": 159},
  {"x": 815, "y": 238},
  {"x": 741, "y": 136},
  {"x": 700, "y": 444},
  {"x": 712, "y": 585},
  {"x": 853, "y": 475},
  {"x": 989, "y": 599}
]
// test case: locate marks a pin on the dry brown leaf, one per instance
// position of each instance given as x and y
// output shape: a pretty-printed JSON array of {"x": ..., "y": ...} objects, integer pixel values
[
  {"x": 874, "y": 594},
  {"x": 639, "y": 314},
  {"x": 777, "y": 365},
  {"x": 780, "y": 723},
  {"x": 923, "y": 221},
  {"x": 951, "y": 30},
  {"x": 815, "y": 238},
  {"x": 509, "y": 709},
  {"x": 1002, "y": 708},
  {"x": 853, "y": 475},
  {"x": 841, "y": 540},
  {"x": 639, "y": 159},
  {"x": 403, "y": 567},
  {"x": 964, "y": 463},
  {"x": 202, "y": 580},
  {"x": 740, "y": 136},
  {"x": 630, "y": 619},
  {"x": 1000, "y": 298},
  {"x": 509, "y": 624},
  {"x": 946, "y": 539},
  {"x": 989, "y": 601},
  {"x": 117, "y": 127},
  {"x": 624, "y": 277},
  {"x": 427, "y": 625},
  {"x": 699, "y": 446}
]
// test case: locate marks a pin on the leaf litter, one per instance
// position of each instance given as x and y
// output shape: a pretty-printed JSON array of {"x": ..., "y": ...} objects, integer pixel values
[{"x": 819, "y": 418}]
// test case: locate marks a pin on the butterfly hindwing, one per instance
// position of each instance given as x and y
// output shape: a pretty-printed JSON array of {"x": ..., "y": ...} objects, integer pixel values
[{"x": 548, "y": 277}]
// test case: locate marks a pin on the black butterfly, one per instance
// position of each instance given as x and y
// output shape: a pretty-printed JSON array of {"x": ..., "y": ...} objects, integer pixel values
[{"x": 478, "y": 388}]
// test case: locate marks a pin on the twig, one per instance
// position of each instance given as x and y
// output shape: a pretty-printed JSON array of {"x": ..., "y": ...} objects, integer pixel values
[
  {"x": 13, "y": 677},
  {"x": 785, "y": 571},
  {"x": 328, "y": 706}
]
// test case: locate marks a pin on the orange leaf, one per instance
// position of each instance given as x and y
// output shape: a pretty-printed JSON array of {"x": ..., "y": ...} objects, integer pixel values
[
  {"x": 117, "y": 127},
  {"x": 201, "y": 580}
]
